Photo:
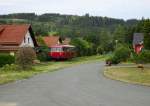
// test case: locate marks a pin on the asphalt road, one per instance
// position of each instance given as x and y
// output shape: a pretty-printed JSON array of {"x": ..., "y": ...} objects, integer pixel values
[{"x": 82, "y": 85}]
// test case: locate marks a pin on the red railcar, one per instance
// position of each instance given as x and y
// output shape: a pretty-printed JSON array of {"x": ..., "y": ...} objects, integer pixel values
[{"x": 62, "y": 52}]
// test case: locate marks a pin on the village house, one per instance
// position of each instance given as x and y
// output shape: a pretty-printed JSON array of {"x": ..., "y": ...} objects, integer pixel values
[
  {"x": 52, "y": 40},
  {"x": 55, "y": 40},
  {"x": 14, "y": 36},
  {"x": 138, "y": 39}
]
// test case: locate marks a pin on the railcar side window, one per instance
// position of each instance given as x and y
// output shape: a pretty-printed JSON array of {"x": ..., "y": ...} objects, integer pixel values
[
  {"x": 56, "y": 49},
  {"x": 59, "y": 49},
  {"x": 53, "y": 49},
  {"x": 69, "y": 49},
  {"x": 65, "y": 49}
]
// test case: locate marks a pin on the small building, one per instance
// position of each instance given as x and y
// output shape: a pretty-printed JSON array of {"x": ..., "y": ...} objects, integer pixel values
[
  {"x": 52, "y": 40},
  {"x": 138, "y": 39},
  {"x": 14, "y": 36},
  {"x": 55, "y": 40},
  {"x": 59, "y": 48}
]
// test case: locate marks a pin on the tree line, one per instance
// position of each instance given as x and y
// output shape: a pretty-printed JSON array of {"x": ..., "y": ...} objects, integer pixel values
[{"x": 90, "y": 34}]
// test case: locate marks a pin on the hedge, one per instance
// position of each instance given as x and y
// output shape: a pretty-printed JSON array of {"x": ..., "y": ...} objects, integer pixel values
[
  {"x": 6, "y": 59},
  {"x": 143, "y": 57}
]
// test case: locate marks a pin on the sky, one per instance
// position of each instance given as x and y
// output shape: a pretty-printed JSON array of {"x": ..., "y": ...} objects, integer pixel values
[{"x": 124, "y": 9}]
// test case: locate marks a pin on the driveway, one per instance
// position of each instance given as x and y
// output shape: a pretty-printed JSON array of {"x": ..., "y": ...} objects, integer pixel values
[{"x": 82, "y": 85}]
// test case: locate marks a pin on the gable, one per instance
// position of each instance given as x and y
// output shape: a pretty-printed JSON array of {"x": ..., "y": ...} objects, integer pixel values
[{"x": 27, "y": 41}]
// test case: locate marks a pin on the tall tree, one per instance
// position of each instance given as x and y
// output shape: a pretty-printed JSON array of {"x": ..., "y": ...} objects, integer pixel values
[
  {"x": 146, "y": 30},
  {"x": 106, "y": 42},
  {"x": 119, "y": 34},
  {"x": 83, "y": 47}
]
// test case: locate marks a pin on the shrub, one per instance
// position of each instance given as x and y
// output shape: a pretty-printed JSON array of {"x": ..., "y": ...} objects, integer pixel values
[
  {"x": 143, "y": 57},
  {"x": 6, "y": 59},
  {"x": 100, "y": 50},
  {"x": 43, "y": 54},
  {"x": 25, "y": 57},
  {"x": 122, "y": 53},
  {"x": 113, "y": 60}
]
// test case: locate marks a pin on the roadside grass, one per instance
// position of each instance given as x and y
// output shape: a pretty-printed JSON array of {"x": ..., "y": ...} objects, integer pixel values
[
  {"x": 132, "y": 75},
  {"x": 14, "y": 75}
]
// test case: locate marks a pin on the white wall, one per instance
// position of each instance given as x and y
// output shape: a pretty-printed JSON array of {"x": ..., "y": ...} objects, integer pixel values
[{"x": 27, "y": 42}]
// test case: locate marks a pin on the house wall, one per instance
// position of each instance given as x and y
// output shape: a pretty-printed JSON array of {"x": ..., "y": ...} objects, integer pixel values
[{"x": 27, "y": 40}]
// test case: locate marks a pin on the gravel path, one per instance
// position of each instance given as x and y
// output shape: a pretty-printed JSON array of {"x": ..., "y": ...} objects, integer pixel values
[{"x": 82, "y": 85}]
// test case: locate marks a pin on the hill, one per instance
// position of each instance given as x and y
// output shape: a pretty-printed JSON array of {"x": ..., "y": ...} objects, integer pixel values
[
  {"x": 90, "y": 34},
  {"x": 66, "y": 25}
]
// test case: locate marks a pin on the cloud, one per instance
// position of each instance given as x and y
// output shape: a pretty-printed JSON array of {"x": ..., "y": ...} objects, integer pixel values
[{"x": 111, "y": 8}]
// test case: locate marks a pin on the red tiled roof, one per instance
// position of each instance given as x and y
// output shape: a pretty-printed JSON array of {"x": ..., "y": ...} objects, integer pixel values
[
  {"x": 51, "y": 40},
  {"x": 13, "y": 34},
  {"x": 9, "y": 48}
]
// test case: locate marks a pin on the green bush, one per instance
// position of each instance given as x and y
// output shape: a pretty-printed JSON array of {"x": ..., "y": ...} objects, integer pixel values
[
  {"x": 6, "y": 59},
  {"x": 143, "y": 57},
  {"x": 43, "y": 54},
  {"x": 122, "y": 53},
  {"x": 100, "y": 50},
  {"x": 25, "y": 57},
  {"x": 115, "y": 60}
]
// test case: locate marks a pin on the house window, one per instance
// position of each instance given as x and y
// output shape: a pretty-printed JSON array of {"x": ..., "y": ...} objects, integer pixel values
[{"x": 28, "y": 40}]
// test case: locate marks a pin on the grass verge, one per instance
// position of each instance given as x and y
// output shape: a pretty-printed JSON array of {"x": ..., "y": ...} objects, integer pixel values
[
  {"x": 11, "y": 75},
  {"x": 132, "y": 75}
]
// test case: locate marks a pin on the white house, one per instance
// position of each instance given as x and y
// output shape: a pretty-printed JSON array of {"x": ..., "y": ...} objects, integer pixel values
[{"x": 14, "y": 36}]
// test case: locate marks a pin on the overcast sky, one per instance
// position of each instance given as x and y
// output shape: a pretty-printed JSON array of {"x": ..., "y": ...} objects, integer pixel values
[{"x": 125, "y": 9}]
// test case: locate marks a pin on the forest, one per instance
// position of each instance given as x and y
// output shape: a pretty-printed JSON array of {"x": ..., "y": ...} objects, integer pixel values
[{"x": 90, "y": 34}]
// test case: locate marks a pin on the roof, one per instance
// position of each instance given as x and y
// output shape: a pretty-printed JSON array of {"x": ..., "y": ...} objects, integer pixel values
[
  {"x": 13, "y": 34},
  {"x": 51, "y": 40},
  {"x": 138, "y": 38},
  {"x": 9, "y": 48}
]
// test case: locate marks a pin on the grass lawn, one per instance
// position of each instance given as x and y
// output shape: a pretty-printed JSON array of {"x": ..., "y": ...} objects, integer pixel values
[
  {"x": 11, "y": 75},
  {"x": 129, "y": 74}
]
